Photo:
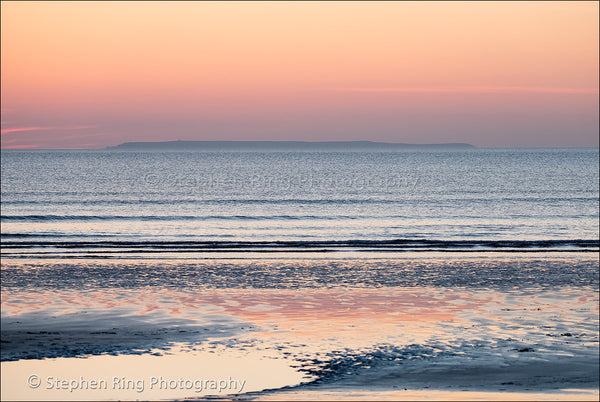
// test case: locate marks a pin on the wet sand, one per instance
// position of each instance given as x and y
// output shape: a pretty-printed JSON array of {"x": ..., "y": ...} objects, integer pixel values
[
  {"x": 436, "y": 395},
  {"x": 419, "y": 342}
]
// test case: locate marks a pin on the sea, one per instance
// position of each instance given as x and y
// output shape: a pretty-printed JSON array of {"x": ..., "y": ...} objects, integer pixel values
[{"x": 362, "y": 271}]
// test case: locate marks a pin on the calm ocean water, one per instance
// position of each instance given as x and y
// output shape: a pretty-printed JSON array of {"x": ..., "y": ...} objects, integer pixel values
[{"x": 117, "y": 203}]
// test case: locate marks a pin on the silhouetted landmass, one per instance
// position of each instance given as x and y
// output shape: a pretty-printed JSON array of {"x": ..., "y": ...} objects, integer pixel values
[{"x": 284, "y": 146}]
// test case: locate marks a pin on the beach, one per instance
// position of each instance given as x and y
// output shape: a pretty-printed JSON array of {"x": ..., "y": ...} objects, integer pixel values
[{"x": 348, "y": 339}]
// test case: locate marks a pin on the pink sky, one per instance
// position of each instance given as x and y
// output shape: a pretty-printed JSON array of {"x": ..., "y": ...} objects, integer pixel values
[{"x": 502, "y": 74}]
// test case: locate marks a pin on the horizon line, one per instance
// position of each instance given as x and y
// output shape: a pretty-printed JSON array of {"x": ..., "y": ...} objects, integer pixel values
[{"x": 108, "y": 148}]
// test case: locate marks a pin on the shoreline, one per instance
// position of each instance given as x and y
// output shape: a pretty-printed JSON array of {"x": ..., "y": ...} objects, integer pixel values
[{"x": 453, "y": 325}]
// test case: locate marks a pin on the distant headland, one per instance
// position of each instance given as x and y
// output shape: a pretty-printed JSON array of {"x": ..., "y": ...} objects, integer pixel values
[{"x": 283, "y": 146}]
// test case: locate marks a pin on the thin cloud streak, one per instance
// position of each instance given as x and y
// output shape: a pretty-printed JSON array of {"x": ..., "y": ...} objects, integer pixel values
[
  {"x": 471, "y": 89},
  {"x": 22, "y": 147},
  {"x": 20, "y": 129}
]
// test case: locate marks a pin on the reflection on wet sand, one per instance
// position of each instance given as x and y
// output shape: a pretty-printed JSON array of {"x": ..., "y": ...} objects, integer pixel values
[
  {"x": 311, "y": 333},
  {"x": 263, "y": 312},
  {"x": 330, "y": 325}
]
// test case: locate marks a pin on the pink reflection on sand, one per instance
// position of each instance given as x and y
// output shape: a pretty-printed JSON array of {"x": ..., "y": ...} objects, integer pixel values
[
  {"x": 311, "y": 315},
  {"x": 488, "y": 325},
  {"x": 307, "y": 304},
  {"x": 282, "y": 313}
]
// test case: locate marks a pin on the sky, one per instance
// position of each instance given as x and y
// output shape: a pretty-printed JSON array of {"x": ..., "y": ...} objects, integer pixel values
[{"x": 492, "y": 74}]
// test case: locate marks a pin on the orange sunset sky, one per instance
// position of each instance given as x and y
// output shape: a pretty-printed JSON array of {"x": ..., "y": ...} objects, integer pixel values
[{"x": 493, "y": 74}]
